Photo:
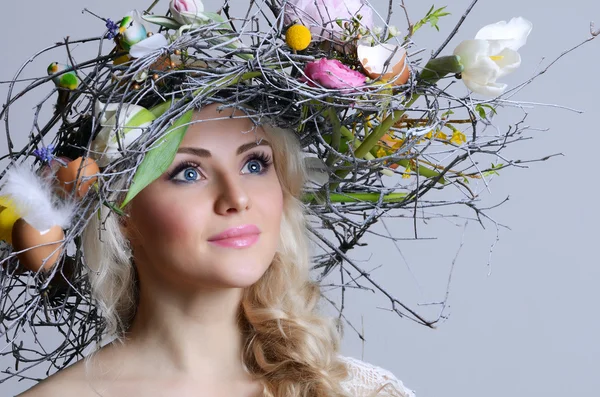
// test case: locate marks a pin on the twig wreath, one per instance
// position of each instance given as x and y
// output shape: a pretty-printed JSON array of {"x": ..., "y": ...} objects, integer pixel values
[{"x": 382, "y": 133}]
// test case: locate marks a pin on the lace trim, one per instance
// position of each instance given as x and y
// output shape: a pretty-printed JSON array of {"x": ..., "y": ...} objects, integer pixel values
[{"x": 365, "y": 379}]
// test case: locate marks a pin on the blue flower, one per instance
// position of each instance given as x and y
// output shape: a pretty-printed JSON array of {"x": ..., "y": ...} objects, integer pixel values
[
  {"x": 45, "y": 153},
  {"x": 113, "y": 29}
]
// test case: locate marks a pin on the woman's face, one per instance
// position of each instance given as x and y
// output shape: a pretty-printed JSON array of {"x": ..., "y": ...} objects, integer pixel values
[{"x": 220, "y": 182}]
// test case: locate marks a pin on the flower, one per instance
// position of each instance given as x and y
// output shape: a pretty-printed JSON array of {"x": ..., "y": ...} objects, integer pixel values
[
  {"x": 149, "y": 45},
  {"x": 113, "y": 29},
  {"x": 319, "y": 14},
  {"x": 492, "y": 55},
  {"x": 373, "y": 60},
  {"x": 438, "y": 135},
  {"x": 331, "y": 73},
  {"x": 188, "y": 12},
  {"x": 129, "y": 126},
  {"x": 458, "y": 138},
  {"x": 393, "y": 31},
  {"x": 298, "y": 37},
  {"x": 45, "y": 153}
]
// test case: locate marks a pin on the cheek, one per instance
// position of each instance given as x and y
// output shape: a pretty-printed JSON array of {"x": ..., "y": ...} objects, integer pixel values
[
  {"x": 269, "y": 201},
  {"x": 168, "y": 220}
]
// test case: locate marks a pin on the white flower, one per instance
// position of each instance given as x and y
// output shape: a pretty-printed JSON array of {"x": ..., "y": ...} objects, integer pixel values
[
  {"x": 132, "y": 120},
  {"x": 393, "y": 31},
  {"x": 188, "y": 12},
  {"x": 149, "y": 45},
  {"x": 377, "y": 30},
  {"x": 492, "y": 55}
]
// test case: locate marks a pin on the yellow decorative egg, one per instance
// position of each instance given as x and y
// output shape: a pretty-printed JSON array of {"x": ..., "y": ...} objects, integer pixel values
[{"x": 8, "y": 217}]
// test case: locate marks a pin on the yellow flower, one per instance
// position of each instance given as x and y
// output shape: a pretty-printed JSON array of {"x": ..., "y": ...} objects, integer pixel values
[
  {"x": 8, "y": 217},
  {"x": 441, "y": 136},
  {"x": 391, "y": 142},
  {"x": 298, "y": 37},
  {"x": 406, "y": 173},
  {"x": 381, "y": 152},
  {"x": 458, "y": 138}
]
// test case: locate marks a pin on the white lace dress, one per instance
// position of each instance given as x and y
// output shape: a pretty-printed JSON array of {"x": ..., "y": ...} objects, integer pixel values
[{"x": 366, "y": 378}]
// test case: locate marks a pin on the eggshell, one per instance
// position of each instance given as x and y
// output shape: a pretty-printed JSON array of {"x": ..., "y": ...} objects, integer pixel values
[
  {"x": 26, "y": 237},
  {"x": 66, "y": 176},
  {"x": 373, "y": 60}
]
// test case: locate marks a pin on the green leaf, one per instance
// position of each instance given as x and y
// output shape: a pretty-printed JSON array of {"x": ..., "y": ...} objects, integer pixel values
[
  {"x": 161, "y": 108},
  {"x": 492, "y": 170},
  {"x": 480, "y": 108},
  {"x": 432, "y": 17},
  {"x": 481, "y": 111},
  {"x": 141, "y": 117},
  {"x": 214, "y": 16},
  {"x": 166, "y": 22},
  {"x": 158, "y": 159}
]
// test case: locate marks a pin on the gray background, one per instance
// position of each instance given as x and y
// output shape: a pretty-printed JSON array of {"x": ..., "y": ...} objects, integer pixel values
[{"x": 530, "y": 326}]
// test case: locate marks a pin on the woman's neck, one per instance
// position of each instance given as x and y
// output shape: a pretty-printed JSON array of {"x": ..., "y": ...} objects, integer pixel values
[{"x": 191, "y": 333}]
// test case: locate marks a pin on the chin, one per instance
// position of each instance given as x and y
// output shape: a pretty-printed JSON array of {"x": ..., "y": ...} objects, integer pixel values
[{"x": 243, "y": 276}]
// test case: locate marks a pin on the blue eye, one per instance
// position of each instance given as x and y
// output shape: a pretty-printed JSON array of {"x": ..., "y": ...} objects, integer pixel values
[
  {"x": 257, "y": 163},
  {"x": 186, "y": 173},
  {"x": 254, "y": 166},
  {"x": 190, "y": 174}
]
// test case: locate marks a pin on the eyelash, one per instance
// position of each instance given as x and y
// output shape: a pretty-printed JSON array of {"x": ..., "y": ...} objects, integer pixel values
[{"x": 265, "y": 159}]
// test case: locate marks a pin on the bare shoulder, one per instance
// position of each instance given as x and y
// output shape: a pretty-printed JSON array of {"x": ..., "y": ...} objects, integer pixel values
[
  {"x": 69, "y": 382},
  {"x": 365, "y": 379}
]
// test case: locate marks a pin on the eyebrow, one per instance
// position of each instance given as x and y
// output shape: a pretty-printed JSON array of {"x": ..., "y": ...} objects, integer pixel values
[{"x": 205, "y": 153}]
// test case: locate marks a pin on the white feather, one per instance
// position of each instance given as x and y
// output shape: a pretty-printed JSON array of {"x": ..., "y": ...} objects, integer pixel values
[{"x": 34, "y": 199}]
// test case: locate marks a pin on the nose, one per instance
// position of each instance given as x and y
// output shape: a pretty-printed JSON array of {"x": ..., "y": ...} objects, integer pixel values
[{"x": 231, "y": 196}]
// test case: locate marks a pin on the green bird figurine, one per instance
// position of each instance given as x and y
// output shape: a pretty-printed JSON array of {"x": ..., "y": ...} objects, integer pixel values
[
  {"x": 131, "y": 31},
  {"x": 67, "y": 81}
]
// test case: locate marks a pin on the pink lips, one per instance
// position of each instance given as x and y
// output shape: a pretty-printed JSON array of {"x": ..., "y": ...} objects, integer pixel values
[{"x": 237, "y": 237}]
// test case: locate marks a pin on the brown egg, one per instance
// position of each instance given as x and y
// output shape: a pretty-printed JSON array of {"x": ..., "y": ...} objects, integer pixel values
[
  {"x": 26, "y": 237},
  {"x": 50, "y": 169},
  {"x": 67, "y": 175}
]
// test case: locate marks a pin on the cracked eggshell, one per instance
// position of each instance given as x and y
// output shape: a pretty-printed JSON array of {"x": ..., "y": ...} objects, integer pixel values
[
  {"x": 37, "y": 246},
  {"x": 373, "y": 61}
]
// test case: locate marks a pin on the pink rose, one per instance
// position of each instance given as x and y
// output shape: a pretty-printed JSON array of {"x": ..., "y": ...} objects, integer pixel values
[
  {"x": 319, "y": 14},
  {"x": 188, "y": 12},
  {"x": 331, "y": 73}
]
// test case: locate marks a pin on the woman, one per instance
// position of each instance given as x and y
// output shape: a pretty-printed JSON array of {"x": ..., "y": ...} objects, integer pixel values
[{"x": 204, "y": 280}]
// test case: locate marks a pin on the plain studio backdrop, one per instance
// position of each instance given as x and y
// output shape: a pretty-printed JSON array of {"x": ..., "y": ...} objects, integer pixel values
[{"x": 524, "y": 323}]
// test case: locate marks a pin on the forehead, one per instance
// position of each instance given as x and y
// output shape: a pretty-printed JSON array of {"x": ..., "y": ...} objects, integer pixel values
[{"x": 227, "y": 127}]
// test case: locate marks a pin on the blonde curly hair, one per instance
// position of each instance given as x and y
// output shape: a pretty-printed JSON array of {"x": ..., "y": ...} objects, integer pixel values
[{"x": 289, "y": 347}]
